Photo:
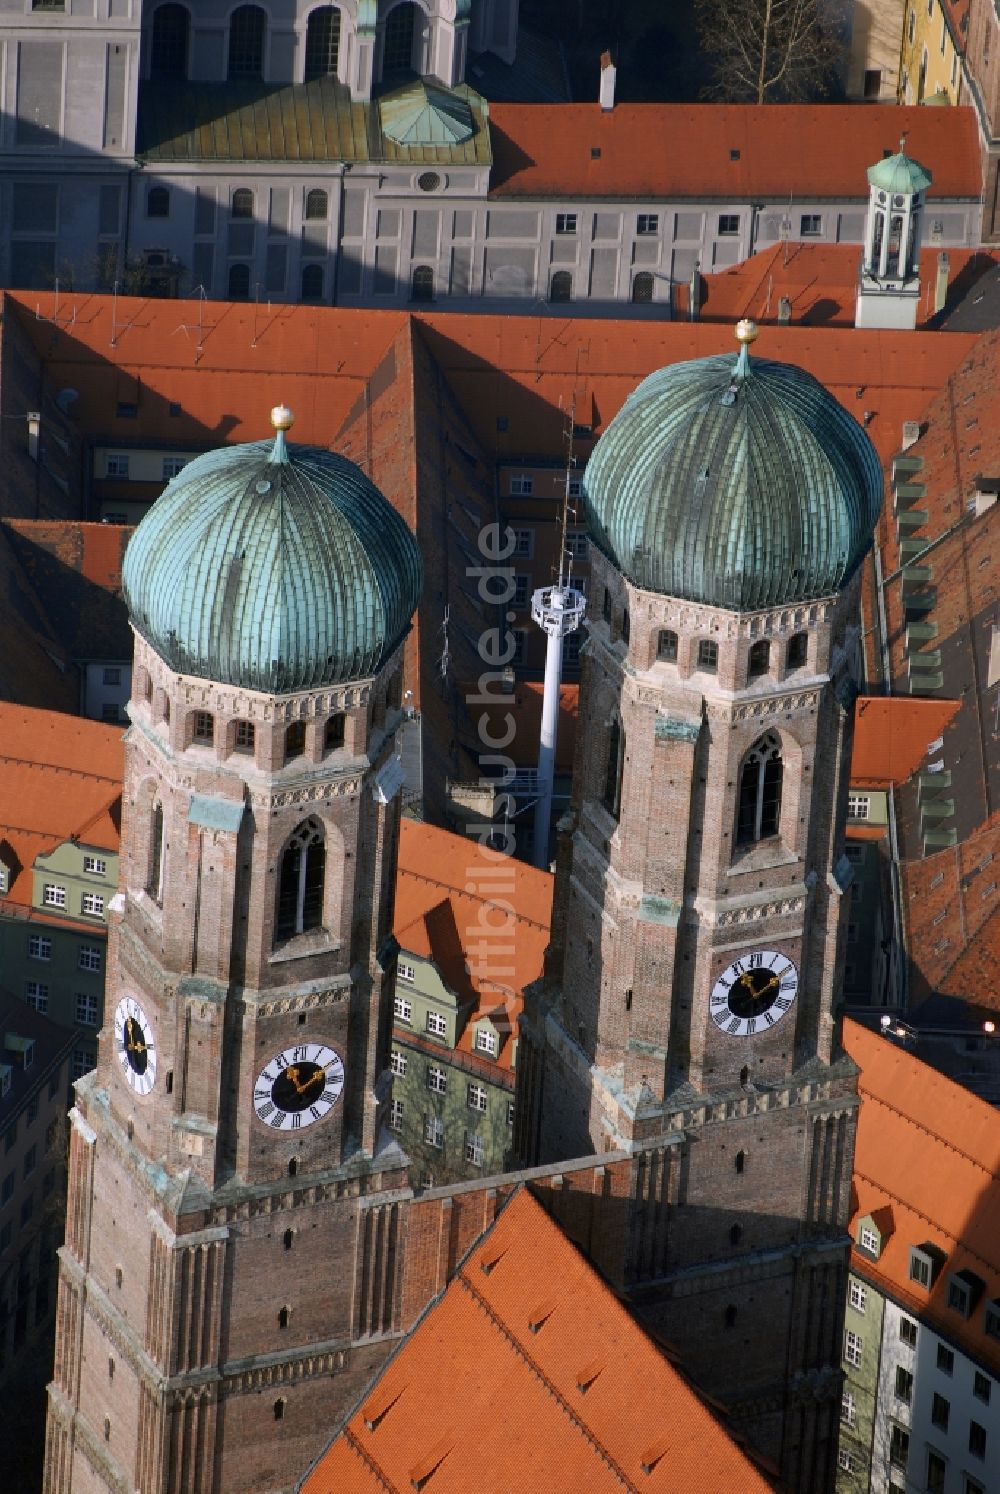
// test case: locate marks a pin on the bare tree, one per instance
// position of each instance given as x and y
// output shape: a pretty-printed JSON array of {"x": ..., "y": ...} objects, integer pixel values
[{"x": 765, "y": 51}]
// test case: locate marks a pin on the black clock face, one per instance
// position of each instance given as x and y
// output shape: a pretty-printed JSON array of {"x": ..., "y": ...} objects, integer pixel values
[
  {"x": 754, "y": 992},
  {"x": 136, "y": 1051},
  {"x": 298, "y": 1086},
  {"x": 136, "y": 1045}
]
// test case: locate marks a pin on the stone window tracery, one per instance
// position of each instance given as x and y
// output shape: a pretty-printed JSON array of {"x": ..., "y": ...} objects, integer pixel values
[
  {"x": 301, "y": 884},
  {"x": 759, "y": 808}
]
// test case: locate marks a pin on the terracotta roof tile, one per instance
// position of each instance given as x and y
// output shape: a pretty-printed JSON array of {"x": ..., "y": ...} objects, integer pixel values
[
  {"x": 686, "y": 150},
  {"x": 929, "y": 1149},
  {"x": 60, "y": 779},
  {"x": 891, "y": 736},
  {"x": 632, "y": 1422}
]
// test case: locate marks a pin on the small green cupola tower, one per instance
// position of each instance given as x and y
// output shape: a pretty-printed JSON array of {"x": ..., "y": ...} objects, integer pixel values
[{"x": 889, "y": 287}]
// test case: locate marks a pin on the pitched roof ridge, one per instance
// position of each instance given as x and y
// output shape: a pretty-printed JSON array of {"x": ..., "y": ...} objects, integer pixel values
[
  {"x": 928, "y": 1130},
  {"x": 473, "y": 896},
  {"x": 101, "y": 810},
  {"x": 28, "y": 762},
  {"x": 935, "y": 1224},
  {"x": 369, "y": 1462},
  {"x": 540, "y": 1374}
]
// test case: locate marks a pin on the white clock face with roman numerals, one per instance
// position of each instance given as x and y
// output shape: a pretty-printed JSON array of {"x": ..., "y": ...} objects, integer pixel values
[
  {"x": 298, "y": 1087},
  {"x": 754, "y": 992},
  {"x": 135, "y": 1045}
]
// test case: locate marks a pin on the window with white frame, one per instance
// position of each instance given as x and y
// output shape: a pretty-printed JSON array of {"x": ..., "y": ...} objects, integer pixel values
[
  {"x": 39, "y": 948},
  {"x": 859, "y": 1296},
  {"x": 396, "y": 1115},
  {"x": 810, "y": 225},
  {"x": 647, "y": 223},
  {"x": 858, "y": 806},
  {"x": 437, "y": 1025},
  {"x": 96, "y": 866},
  {"x": 522, "y": 485},
  {"x": 845, "y": 1460},
  {"x": 908, "y": 1332},
  {"x": 474, "y": 1149},
  {"x": 53, "y": 895},
  {"x": 89, "y": 957},
  {"x": 437, "y": 1079},
  {"x": 524, "y": 543},
  {"x": 86, "y": 1008},
  {"x": 476, "y": 1097},
  {"x": 576, "y": 487},
  {"x": 577, "y": 542},
  {"x": 510, "y": 1112},
  {"x": 116, "y": 464},
  {"x": 397, "y": 1063},
  {"x": 853, "y": 1345},
  {"x": 405, "y": 971},
  {"x": 565, "y": 223},
  {"x": 112, "y": 675},
  {"x": 519, "y": 601},
  {"x": 92, "y": 903},
  {"x": 434, "y": 1130},
  {"x": 403, "y": 1009},
  {"x": 486, "y": 1041},
  {"x": 172, "y": 465},
  {"x": 36, "y": 994},
  {"x": 848, "y": 1409}
]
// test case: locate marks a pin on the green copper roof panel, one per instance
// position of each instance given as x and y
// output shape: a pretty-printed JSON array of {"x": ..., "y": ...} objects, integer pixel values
[
  {"x": 742, "y": 484},
  {"x": 421, "y": 114},
  {"x": 899, "y": 173},
  {"x": 274, "y": 568}
]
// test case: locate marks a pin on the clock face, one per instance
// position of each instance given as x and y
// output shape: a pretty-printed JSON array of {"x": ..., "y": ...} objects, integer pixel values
[
  {"x": 135, "y": 1045},
  {"x": 754, "y": 992},
  {"x": 298, "y": 1086}
]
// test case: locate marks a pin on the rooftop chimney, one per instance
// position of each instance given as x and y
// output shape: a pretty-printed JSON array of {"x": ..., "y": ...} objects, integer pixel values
[
  {"x": 607, "y": 93},
  {"x": 784, "y": 309},
  {"x": 911, "y": 433},
  {"x": 941, "y": 282}
]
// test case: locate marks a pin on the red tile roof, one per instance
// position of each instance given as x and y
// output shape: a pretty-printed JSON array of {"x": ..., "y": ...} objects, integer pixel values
[
  {"x": 60, "y": 779},
  {"x": 891, "y": 736},
  {"x": 448, "y": 890},
  {"x": 929, "y": 1150},
  {"x": 951, "y": 902},
  {"x": 803, "y": 151},
  {"x": 819, "y": 280},
  {"x": 529, "y": 1373}
]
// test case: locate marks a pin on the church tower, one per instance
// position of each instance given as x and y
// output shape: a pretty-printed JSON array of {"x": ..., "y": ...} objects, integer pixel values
[
  {"x": 889, "y": 287},
  {"x": 688, "y": 1016},
  {"x": 223, "y": 1148}
]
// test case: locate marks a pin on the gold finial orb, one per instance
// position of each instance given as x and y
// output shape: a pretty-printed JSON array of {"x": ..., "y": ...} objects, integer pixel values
[
  {"x": 746, "y": 331},
  {"x": 282, "y": 418}
]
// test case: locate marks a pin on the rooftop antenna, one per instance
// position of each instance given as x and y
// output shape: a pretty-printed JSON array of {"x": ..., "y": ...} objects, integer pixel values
[
  {"x": 199, "y": 327},
  {"x": 558, "y": 610}
]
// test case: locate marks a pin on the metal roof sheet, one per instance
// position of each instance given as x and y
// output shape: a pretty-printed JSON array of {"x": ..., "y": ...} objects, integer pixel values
[
  {"x": 316, "y": 121},
  {"x": 273, "y": 568},
  {"x": 742, "y": 484}
]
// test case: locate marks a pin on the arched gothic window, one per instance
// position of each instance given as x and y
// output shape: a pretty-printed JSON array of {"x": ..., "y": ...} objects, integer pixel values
[
  {"x": 642, "y": 287},
  {"x": 246, "y": 42},
  {"x": 300, "y": 888},
  {"x": 422, "y": 284},
  {"x": 759, "y": 811},
  {"x": 312, "y": 282},
  {"x": 798, "y": 650},
  {"x": 154, "y": 882},
  {"x": 397, "y": 54},
  {"x": 333, "y": 732},
  {"x": 561, "y": 286},
  {"x": 666, "y": 646},
  {"x": 169, "y": 51},
  {"x": 295, "y": 740},
  {"x": 760, "y": 655},
  {"x": 322, "y": 43},
  {"x": 616, "y": 765}
]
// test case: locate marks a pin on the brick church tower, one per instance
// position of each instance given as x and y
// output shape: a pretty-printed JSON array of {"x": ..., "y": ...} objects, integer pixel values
[
  {"x": 687, "y": 1015},
  {"x": 234, "y": 1121}
]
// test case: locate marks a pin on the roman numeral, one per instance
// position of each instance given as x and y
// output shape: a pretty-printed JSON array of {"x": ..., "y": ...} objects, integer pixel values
[
  {"x": 756, "y": 960},
  {"x": 789, "y": 983},
  {"x": 769, "y": 1019},
  {"x": 751, "y": 1024},
  {"x": 262, "y": 1094},
  {"x": 329, "y": 1095},
  {"x": 300, "y": 1054},
  {"x": 737, "y": 965},
  {"x": 296, "y": 1122},
  {"x": 315, "y": 1112},
  {"x": 734, "y": 1025},
  {"x": 265, "y": 1110},
  {"x": 277, "y": 1119},
  {"x": 782, "y": 1003},
  {"x": 718, "y": 1001},
  {"x": 281, "y": 1061}
]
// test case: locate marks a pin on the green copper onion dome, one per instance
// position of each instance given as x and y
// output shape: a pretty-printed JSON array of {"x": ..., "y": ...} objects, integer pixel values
[
  {"x": 738, "y": 483},
  {"x": 272, "y": 567},
  {"x": 900, "y": 173}
]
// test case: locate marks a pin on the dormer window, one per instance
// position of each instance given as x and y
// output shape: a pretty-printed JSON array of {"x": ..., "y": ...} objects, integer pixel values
[
  {"x": 4, "y": 877},
  {"x": 925, "y": 1263},
  {"x": 486, "y": 1041},
  {"x": 991, "y": 1324},
  {"x": 869, "y": 1241},
  {"x": 964, "y": 1290}
]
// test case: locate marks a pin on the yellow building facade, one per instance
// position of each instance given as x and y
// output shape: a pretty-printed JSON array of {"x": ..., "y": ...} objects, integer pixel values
[{"x": 933, "y": 41}]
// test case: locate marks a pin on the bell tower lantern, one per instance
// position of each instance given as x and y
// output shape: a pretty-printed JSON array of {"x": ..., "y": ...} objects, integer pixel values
[{"x": 889, "y": 288}]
